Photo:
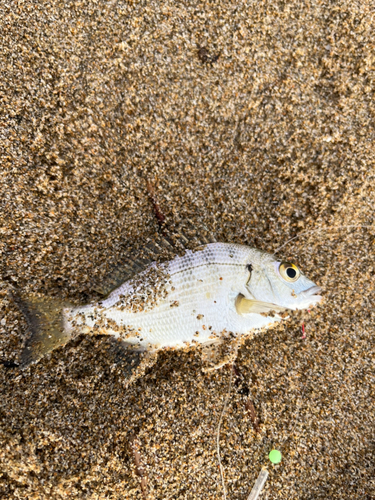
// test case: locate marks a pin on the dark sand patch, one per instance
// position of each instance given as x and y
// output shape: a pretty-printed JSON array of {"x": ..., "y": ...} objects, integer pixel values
[{"x": 273, "y": 137}]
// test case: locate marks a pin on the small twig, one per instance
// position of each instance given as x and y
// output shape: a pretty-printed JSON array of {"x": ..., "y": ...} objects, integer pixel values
[
  {"x": 237, "y": 373},
  {"x": 258, "y": 486},
  {"x": 232, "y": 144},
  {"x": 204, "y": 56},
  {"x": 160, "y": 217},
  {"x": 139, "y": 469},
  {"x": 303, "y": 327},
  {"x": 249, "y": 407},
  {"x": 218, "y": 432},
  {"x": 323, "y": 228}
]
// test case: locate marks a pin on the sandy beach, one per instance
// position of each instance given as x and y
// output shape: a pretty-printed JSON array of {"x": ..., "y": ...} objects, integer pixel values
[{"x": 254, "y": 121}]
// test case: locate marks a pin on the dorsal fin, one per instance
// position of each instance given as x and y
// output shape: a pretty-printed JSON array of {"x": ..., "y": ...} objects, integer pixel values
[{"x": 160, "y": 247}]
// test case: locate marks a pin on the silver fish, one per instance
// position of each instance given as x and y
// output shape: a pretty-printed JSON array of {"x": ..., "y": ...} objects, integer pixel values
[{"x": 220, "y": 289}]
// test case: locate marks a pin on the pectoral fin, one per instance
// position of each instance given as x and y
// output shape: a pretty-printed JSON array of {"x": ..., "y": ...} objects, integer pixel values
[{"x": 246, "y": 306}]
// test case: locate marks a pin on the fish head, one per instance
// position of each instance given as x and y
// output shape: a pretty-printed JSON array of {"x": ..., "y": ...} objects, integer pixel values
[{"x": 280, "y": 283}]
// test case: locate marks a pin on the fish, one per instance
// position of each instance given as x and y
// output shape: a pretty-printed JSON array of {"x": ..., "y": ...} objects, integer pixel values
[{"x": 216, "y": 291}]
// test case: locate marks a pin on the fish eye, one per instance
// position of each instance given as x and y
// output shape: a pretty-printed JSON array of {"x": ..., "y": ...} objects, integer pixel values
[{"x": 289, "y": 271}]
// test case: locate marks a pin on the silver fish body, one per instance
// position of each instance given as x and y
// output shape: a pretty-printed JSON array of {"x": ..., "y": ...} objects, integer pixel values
[{"x": 206, "y": 294}]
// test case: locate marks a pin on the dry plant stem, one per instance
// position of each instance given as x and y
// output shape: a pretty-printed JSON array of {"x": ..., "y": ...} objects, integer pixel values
[
  {"x": 325, "y": 228},
  {"x": 249, "y": 406},
  {"x": 160, "y": 217},
  {"x": 135, "y": 446},
  {"x": 258, "y": 486},
  {"x": 232, "y": 144},
  {"x": 218, "y": 432}
]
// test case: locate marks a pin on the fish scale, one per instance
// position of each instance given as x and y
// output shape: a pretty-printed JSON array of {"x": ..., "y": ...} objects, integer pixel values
[{"x": 199, "y": 283}]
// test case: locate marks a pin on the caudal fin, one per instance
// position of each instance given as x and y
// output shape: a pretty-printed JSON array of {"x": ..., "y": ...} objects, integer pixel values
[{"x": 45, "y": 324}]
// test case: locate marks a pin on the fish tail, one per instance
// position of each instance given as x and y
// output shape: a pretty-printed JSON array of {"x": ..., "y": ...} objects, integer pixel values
[{"x": 46, "y": 330}]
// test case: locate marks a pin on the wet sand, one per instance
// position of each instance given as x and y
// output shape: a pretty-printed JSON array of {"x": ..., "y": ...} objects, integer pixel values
[{"x": 254, "y": 120}]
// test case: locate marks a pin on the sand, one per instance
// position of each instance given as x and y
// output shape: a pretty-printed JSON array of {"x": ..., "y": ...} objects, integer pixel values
[{"x": 254, "y": 120}]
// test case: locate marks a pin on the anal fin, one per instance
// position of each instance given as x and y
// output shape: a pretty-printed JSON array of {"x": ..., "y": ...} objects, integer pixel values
[
  {"x": 132, "y": 363},
  {"x": 217, "y": 355}
]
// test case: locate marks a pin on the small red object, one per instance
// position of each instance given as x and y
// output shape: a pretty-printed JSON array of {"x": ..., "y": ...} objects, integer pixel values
[{"x": 303, "y": 331}]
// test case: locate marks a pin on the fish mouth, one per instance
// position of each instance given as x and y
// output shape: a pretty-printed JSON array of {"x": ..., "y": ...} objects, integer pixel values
[
  {"x": 313, "y": 290},
  {"x": 309, "y": 297}
]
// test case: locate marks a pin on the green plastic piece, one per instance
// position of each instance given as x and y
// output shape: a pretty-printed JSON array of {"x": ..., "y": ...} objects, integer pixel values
[{"x": 275, "y": 456}]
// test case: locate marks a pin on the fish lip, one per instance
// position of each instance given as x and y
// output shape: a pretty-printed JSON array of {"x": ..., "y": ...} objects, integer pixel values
[
  {"x": 313, "y": 291},
  {"x": 309, "y": 297}
]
